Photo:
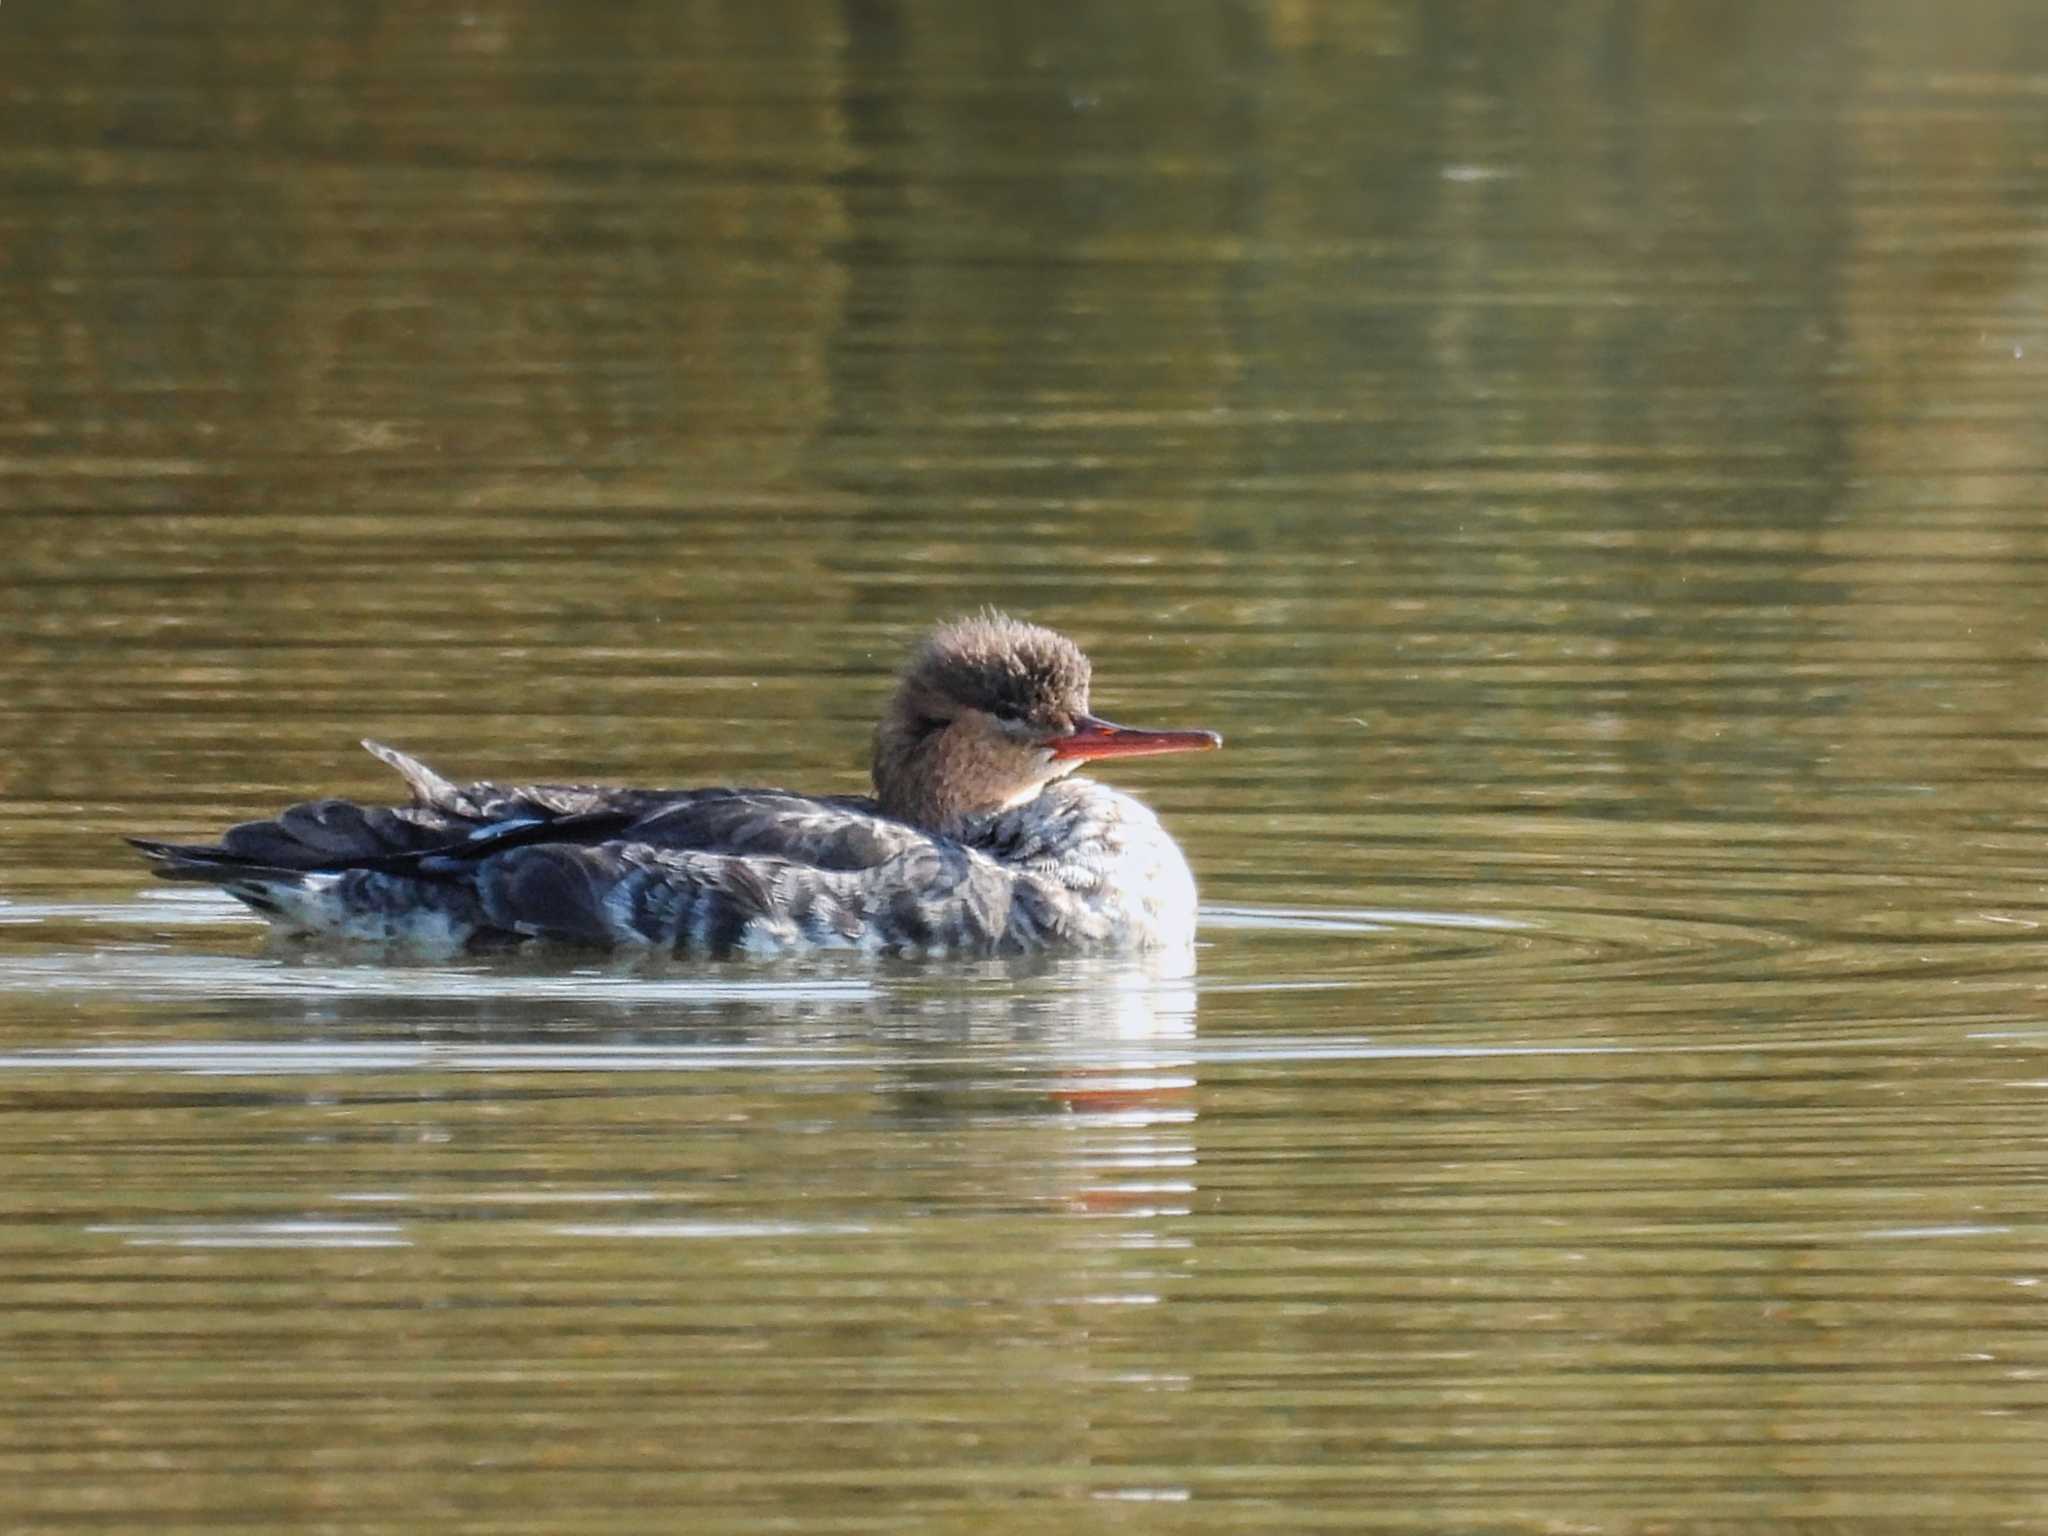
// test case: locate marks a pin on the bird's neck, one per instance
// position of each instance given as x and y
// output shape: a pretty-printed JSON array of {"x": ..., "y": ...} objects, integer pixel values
[{"x": 944, "y": 778}]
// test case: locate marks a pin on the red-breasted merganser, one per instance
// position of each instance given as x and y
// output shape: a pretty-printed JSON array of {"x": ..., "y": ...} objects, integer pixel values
[{"x": 975, "y": 841}]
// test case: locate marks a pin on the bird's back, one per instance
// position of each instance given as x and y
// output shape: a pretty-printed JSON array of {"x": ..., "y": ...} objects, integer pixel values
[{"x": 707, "y": 871}]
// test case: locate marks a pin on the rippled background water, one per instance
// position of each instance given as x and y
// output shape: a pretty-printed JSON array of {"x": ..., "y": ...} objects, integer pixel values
[{"x": 1589, "y": 460}]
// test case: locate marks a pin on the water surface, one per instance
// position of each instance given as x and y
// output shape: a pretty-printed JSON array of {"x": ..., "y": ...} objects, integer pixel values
[{"x": 1588, "y": 460}]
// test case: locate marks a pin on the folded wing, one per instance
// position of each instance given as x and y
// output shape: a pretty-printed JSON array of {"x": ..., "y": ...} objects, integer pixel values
[{"x": 708, "y": 871}]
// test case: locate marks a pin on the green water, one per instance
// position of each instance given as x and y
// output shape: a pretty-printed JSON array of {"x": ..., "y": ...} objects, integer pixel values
[{"x": 1589, "y": 462}]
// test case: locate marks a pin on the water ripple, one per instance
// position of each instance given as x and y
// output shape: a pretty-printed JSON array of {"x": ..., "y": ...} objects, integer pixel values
[{"x": 149, "y": 950}]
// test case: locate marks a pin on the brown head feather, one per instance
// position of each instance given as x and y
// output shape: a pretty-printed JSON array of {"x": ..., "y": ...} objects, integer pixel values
[
  {"x": 1003, "y": 667},
  {"x": 943, "y": 751}
]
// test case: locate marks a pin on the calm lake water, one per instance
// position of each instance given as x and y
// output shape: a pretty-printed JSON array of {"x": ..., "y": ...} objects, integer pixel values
[{"x": 1590, "y": 460}]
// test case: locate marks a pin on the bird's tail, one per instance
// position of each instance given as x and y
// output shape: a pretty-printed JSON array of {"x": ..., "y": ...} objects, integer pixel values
[
  {"x": 278, "y": 894},
  {"x": 196, "y": 861},
  {"x": 358, "y": 905}
]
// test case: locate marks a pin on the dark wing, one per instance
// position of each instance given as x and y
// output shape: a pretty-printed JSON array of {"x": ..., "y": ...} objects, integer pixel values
[
  {"x": 444, "y": 818},
  {"x": 837, "y": 832},
  {"x": 706, "y": 870},
  {"x": 938, "y": 895},
  {"x": 450, "y": 828}
]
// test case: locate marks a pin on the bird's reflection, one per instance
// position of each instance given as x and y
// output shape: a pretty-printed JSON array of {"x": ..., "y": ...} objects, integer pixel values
[{"x": 1065, "y": 1085}]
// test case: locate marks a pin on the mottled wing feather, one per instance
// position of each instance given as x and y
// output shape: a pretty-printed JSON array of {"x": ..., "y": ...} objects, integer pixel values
[
  {"x": 628, "y": 893},
  {"x": 936, "y": 895},
  {"x": 450, "y": 825},
  {"x": 824, "y": 832},
  {"x": 326, "y": 832},
  {"x": 842, "y": 832},
  {"x": 548, "y": 892},
  {"x": 703, "y": 871}
]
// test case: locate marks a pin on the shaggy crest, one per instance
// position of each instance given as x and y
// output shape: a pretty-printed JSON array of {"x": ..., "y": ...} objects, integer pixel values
[
  {"x": 945, "y": 749},
  {"x": 1007, "y": 668}
]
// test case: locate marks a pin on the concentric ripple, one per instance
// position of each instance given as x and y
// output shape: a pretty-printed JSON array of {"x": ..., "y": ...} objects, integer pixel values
[{"x": 1564, "y": 970}]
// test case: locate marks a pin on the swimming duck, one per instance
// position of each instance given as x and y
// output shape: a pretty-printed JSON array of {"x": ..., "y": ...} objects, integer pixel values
[{"x": 976, "y": 841}]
